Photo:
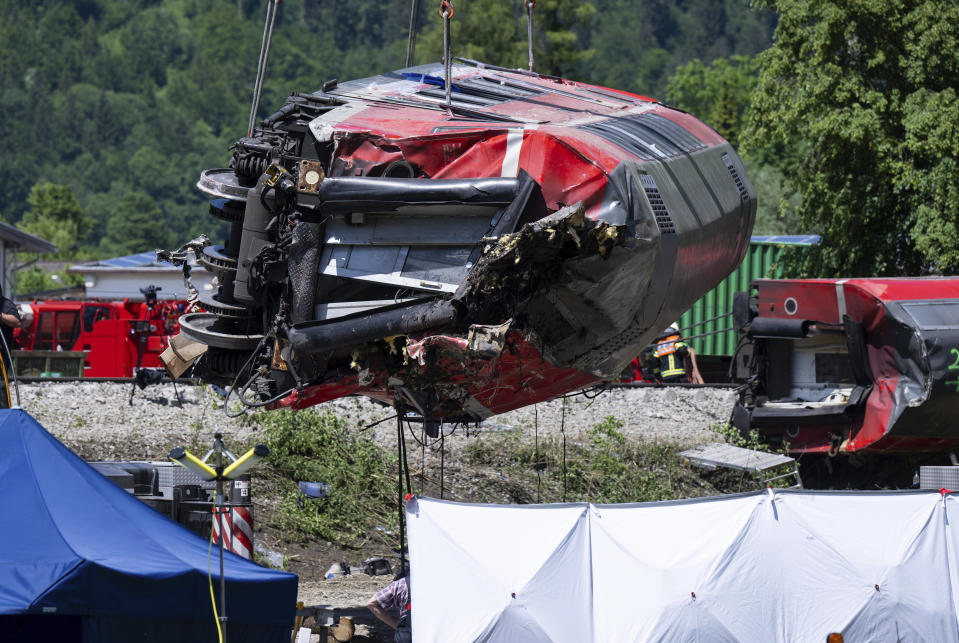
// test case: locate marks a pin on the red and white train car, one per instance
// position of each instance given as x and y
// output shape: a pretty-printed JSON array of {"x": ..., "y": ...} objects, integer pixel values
[
  {"x": 463, "y": 258},
  {"x": 850, "y": 365}
]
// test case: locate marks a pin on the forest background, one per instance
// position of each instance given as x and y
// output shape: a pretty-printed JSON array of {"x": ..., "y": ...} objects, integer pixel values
[{"x": 845, "y": 113}]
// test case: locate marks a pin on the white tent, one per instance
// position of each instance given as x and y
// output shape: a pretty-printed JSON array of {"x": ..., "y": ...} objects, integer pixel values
[{"x": 783, "y": 565}]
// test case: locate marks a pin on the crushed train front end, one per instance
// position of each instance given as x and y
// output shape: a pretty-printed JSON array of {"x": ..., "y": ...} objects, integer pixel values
[{"x": 522, "y": 242}]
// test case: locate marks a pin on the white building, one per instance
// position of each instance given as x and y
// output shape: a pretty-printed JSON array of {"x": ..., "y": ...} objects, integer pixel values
[{"x": 122, "y": 277}]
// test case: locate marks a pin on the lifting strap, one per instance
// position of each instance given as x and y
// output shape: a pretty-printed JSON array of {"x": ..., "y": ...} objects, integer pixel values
[{"x": 529, "y": 29}]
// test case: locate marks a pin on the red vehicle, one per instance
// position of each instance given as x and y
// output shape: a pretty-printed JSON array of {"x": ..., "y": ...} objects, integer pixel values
[
  {"x": 465, "y": 253},
  {"x": 116, "y": 335},
  {"x": 850, "y": 365}
]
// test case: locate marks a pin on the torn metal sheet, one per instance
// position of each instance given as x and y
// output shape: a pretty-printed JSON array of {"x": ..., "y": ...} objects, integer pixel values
[
  {"x": 488, "y": 341},
  {"x": 527, "y": 241}
]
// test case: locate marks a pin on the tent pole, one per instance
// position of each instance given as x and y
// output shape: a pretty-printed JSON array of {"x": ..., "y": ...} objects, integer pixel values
[
  {"x": 218, "y": 445},
  {"x": 399, "y": 487}
]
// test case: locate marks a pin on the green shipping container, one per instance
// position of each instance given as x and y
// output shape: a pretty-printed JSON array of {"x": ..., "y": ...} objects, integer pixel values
[{"x": 713, "y": 312}]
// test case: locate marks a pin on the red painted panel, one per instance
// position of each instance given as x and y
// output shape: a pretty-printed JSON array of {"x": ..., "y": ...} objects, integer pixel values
[{"x": 520, "y": 376}]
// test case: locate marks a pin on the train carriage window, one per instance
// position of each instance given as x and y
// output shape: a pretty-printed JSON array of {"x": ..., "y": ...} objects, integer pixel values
[
  {"x": 447, "y": 265},
  {"x": 933, "y": 314}
]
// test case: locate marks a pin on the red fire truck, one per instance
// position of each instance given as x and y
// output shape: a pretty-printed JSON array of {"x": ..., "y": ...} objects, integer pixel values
[{"x": 117, "y": 336}]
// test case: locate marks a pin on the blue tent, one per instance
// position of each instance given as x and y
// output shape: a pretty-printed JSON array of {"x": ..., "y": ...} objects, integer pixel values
[{"x": 83, "y": 560}]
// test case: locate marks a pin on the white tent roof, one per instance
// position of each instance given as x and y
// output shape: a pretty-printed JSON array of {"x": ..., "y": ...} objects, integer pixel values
[{"x": 780, "y": 565}]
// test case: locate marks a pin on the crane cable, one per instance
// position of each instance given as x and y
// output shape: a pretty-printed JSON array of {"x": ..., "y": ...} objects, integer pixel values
[
  {"x": 411, "y": 45},
  {"x": 271, "y": 8},
  {"x": 529, "y": 29},
  {"x": 446, "y": 12}
]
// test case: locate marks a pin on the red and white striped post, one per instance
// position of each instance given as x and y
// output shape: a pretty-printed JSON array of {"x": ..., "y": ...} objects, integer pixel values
[
  {"x": 241, "y": 503},
  {"x": 237, "y": 520}
]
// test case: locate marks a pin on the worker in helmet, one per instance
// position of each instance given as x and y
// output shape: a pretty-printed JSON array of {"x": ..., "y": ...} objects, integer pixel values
[{"x": 671, "y": 359}]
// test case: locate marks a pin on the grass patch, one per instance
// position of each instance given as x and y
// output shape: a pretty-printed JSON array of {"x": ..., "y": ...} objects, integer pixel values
[
  {"x": 606, "y": 467},
  {"x": 320, "y": 447}
]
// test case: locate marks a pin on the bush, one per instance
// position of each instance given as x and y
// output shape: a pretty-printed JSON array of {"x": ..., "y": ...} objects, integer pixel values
[
  {"x": 611, "y": 468},
  {"x": 319, "y": 447},
  {"x": 608, "y": 467}
]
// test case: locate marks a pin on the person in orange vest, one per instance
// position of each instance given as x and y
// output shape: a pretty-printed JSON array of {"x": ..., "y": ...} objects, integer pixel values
[{"x": 671, "y": 359}]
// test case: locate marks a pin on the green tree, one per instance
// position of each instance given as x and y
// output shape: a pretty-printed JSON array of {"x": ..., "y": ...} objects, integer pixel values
[
  {"x": 35, "y": 280},
  {"x": 55, "y": 215},
  {"x": 718, "y": 93},
  {"x": 857, "y": 105},
  {"x": 496, "y": 32},
  {"x": 136, "y": 225},
  {"x": 640, "y": 43}
]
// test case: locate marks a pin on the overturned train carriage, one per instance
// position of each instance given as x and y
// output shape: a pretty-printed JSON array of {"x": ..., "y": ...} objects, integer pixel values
[
  {"x": 850, "y": 365},
  {"x": 525, "y": 241}
]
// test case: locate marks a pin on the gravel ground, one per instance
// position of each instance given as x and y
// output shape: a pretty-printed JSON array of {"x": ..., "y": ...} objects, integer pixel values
[
  {"x": 95, "y": 418},
  {"x": 96, "y": 421}
]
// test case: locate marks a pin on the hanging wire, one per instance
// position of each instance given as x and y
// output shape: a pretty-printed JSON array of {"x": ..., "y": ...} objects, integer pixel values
[
  {"x": 370, "y": 426},
  {"x": 271, "y": 8},
  {"x": 539, "y": 472},
  {"x": 399, "y": 490},
  {"x": 562, "y": 429},
  {"x": 705, "y": 321},
  {"x": 406, "y": 464},
  {"x": 411, "y": 45},
  {"x": 707, "y": 334},
  {"x": 446, "y": 12},
  {"x": 422, "y": 459},
  {"x": 442, "y": 459},
  {"x": 529, "y": 28}
]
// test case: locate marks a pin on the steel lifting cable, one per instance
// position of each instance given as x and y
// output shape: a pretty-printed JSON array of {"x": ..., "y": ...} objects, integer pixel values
[
  {"x": 446, "y": 12},
  {"x": 271, "y": 8},
  {"x": 705, "y": 321},
  {"x": 529, "y": 28},
  {"x": 411, "y": 45},
  {"x": 707, "y": 334}
]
